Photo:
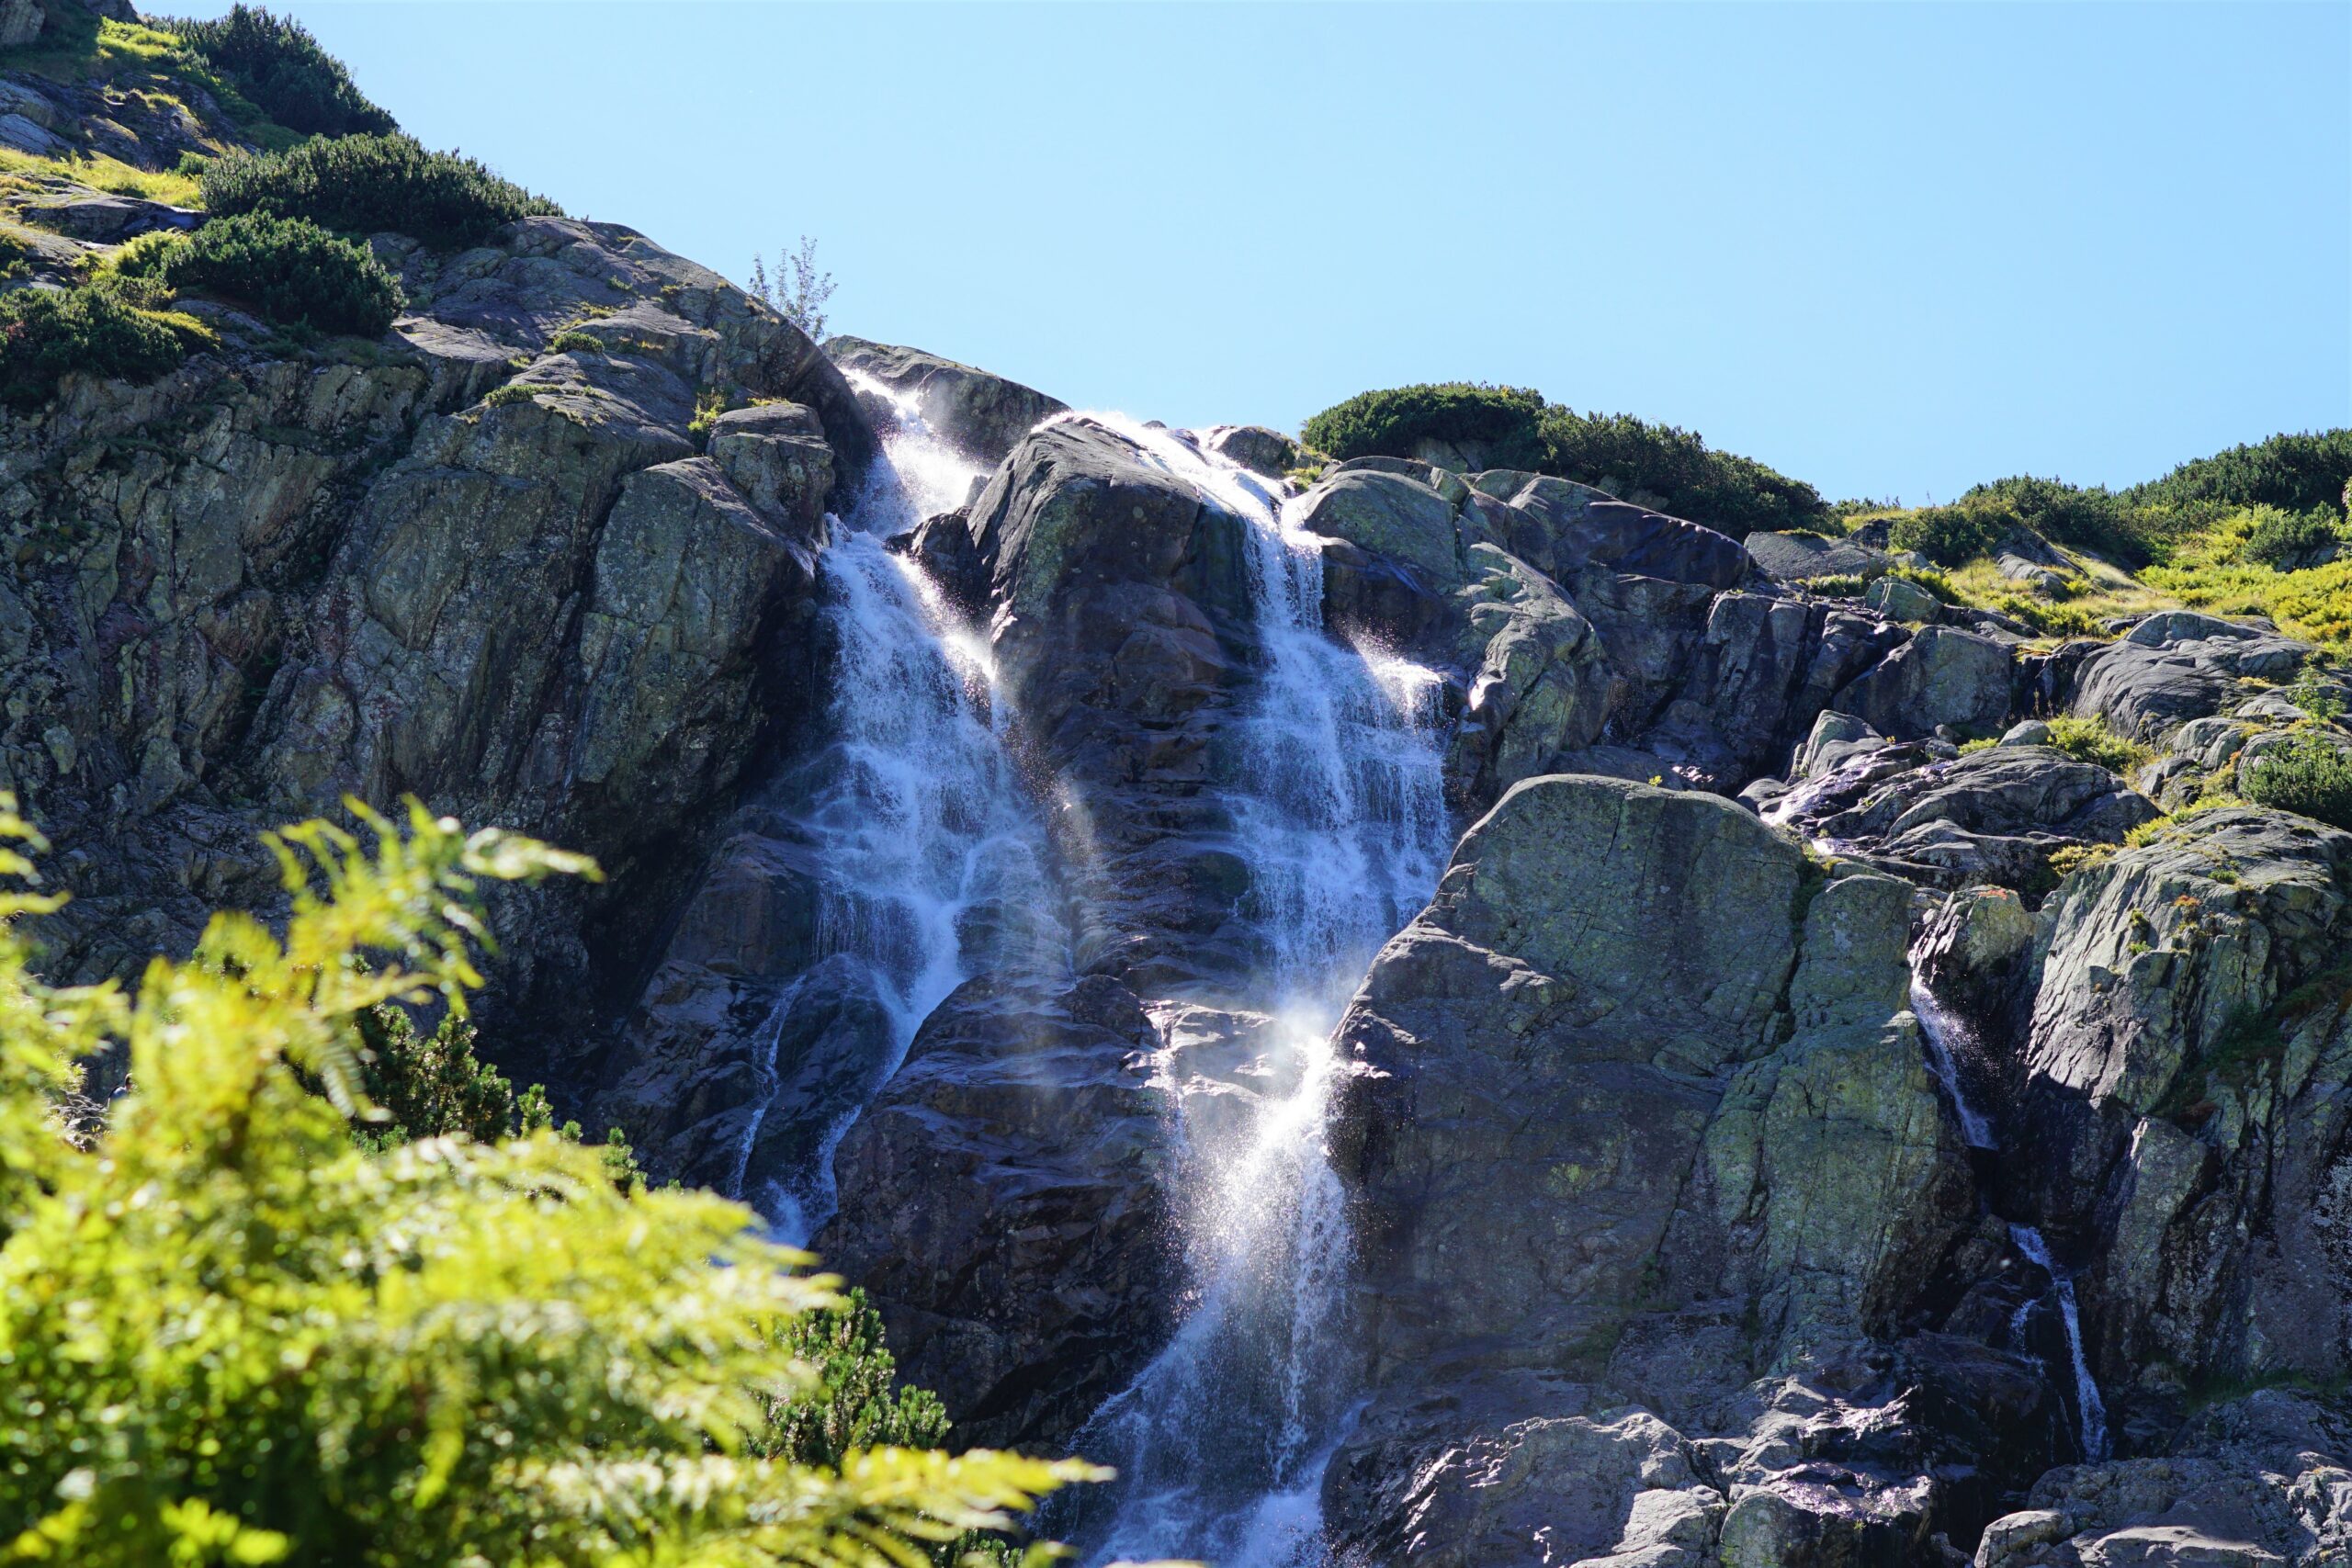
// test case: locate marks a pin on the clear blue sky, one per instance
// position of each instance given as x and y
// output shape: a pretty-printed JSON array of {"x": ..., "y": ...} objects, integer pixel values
[{"x": 1893, "y": 249}]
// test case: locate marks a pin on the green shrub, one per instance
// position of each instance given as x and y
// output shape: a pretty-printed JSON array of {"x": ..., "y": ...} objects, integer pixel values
[
  {"x": 1954, "y": 535},
  {"x": 1503, "y": 420},
  {"x": 2090, "y": 740},
  {"x": 2093, "y": 519},
  {"x": 2294, "y": 473},
  {"x": 294, "y": 271},
  {"x": 1837, "y": 586},
  {"x": 2311, "y": 692},
  {"x": 513, "y": 392},
  {"x": 108, "y": 327},
  {"x": 2279, "y": 536},
  {"x": 2306, "y": 774},
  {"x": 1935, "y": 582},
  {"x": 363, "y": 185},
  {"x": 234, "y": 1334},
  {"x": 275, "y": 62},
  {"x": 571, "y": 341},
  {"x": 1626, "y": 456},
  {"x": 855, "y": 1402}
]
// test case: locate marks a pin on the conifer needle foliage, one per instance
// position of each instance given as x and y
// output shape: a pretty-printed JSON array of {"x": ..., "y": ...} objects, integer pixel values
[{"x": 232, "y": 1332}]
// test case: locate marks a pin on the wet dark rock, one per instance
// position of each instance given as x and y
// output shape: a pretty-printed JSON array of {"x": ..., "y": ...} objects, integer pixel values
[
  {"x": 1005, "y": 1204},
  {"x": 984, "y": 414},
  {"x": 1255, "y": 447}
]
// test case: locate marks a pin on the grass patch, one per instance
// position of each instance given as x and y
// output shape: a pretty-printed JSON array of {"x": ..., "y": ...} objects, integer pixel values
[
  {"x": 26, "y": 174},
  {"x": 2090, "y": 740}
]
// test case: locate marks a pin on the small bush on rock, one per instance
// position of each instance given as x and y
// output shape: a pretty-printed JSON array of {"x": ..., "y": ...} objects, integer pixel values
[
  {"x": 109, "y": 327},
  {"x": 364, "y": 185},
  {"x": 1501, "y": 421},
  {"x": 1630, "y": 457},
  {"x": 1953, "y": 535},
  {"x": 294, "y": 271},
  {"x": 2090, "y": 740},
  {"x": 2306, "y": 774},
  {"x": 2279, "y": 539},
  {"x": 275, "y": 62}
]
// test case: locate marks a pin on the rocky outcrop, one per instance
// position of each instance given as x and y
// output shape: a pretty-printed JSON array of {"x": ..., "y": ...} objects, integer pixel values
[
  {"x": 985, "y": 415},
  {"x": 2258, "y": 1482},
  {"x": 1994, "y": 816},
  {"x": 1123, "y": 626},
  {"x": 1585, "y": 1133},
  {"x": 1940, "y": 680},
  {"x": 263, "y": 580},
  {"x": 2185, "y": 1075},
  {"x": 2178, "y": 666},
  {"x": 1005, "y": 1204}
]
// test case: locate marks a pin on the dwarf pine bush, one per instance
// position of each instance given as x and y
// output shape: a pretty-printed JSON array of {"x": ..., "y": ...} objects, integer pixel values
[
  {"x": 232, "y": 1332},
  {"x": 278, "y": 66},
  {"x": 290, "y": 269},
  {"x": 109, "y": 327},
  {"x": 2307, "y": 774},
  {"x": 364, "y": 185}
]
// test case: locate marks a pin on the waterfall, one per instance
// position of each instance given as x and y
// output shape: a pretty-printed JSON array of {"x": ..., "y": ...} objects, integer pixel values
[
  {"x": 1333, "y": 783},
  {"x": 933, "y": 862},
  {"x": 2090, "y": 1407},
  {"x": 1940, "y": 1030}
]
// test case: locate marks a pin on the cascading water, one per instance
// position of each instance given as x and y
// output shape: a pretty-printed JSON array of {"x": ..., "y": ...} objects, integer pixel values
[
  {"x": 2091, "y": 1408},
  {"x": 1334, "y": 786},
  {"x": 1941, "y": 1030},
  {"x": 932, "y": 856}
]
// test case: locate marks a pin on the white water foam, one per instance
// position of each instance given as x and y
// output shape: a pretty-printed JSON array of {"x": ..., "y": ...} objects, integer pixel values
[
  {"x": 1940, "y": 1029},
  {"x": 1335, "y": 790},
  {"x": 932, "y": 848},
  {"x": 2091, "y": 1410}
]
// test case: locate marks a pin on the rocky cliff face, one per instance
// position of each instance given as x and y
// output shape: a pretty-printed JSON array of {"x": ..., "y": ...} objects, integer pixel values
[
  {"x": 1782, "y": 1138},
  {"x": 517, "y": 584}
]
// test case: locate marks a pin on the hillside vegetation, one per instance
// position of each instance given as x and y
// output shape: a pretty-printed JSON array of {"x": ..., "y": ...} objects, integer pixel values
[
  {"x": 1514, "y": 427},
  {"x": 2256, "y": 530}
]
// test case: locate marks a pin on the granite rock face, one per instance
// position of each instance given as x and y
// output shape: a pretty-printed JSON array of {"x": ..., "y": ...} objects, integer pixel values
[
  {"x": 267, "y": 581},
  {"x": 1584, "y": 1129},
  {"x": 984, "y": 414},
  {"x": 1005, "y": 1203}
]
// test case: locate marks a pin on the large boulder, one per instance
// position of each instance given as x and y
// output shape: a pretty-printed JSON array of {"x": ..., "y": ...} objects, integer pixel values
[
  {"x": 1393, "y": 515},
  {"x": 1591, "y": 527},
  {"x": 985, "y": 415},
  {"x": 1638, "y": 1116},
  {"x": 1798, "y": 557},
  {"x": 1940, "y": 678},
  {"x": 1005, "y": 1204},
  {"x": 1125, "y": 625},
  {"x": 2178, "y": 666},
  {"x": 1542, "y": 687}
]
